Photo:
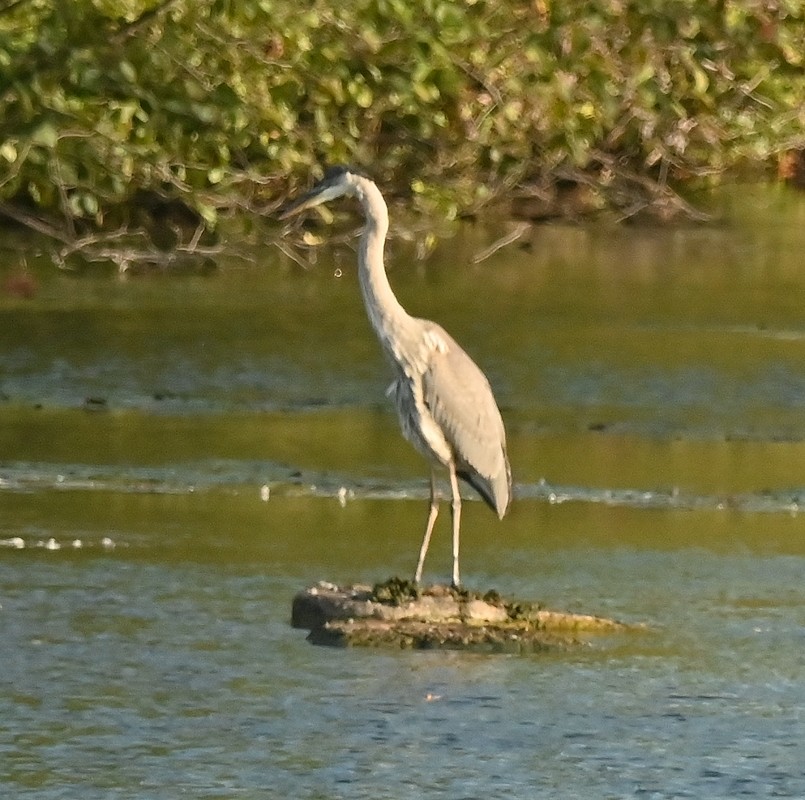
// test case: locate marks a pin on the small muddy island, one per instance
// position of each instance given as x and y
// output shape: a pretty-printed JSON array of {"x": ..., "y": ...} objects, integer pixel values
[{"x": 398, "y": 613}]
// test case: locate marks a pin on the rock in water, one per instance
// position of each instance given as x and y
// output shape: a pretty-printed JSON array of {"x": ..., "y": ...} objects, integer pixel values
[{"x": 400, "y": 614}]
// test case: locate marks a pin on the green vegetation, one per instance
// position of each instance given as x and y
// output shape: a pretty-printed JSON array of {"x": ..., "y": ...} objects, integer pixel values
[
  {"x": 117, "y": 115},
  {"x": 395, "y": 591}
]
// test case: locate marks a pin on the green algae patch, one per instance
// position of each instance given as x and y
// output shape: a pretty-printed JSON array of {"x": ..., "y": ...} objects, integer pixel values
[{"x": 398, "y": 613}]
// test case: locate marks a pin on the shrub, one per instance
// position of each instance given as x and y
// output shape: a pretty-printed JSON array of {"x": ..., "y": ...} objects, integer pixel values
[{"x": 114, "y": 112}]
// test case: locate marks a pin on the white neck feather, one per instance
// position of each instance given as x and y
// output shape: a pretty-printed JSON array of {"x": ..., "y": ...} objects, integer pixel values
[{"x": 385, "y": 313}]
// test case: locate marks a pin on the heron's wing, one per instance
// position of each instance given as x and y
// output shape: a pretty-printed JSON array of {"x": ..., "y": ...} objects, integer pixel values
[{"x": 458, "y": 396}]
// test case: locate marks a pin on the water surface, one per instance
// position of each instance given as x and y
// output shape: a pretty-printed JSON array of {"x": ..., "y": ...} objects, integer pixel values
[{"x": 180, "y": 454}]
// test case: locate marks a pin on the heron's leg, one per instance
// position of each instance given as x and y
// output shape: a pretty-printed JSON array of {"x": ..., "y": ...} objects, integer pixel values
[
  {"x": 433, "y": 512},
  {"x": 456, "y": 521}
]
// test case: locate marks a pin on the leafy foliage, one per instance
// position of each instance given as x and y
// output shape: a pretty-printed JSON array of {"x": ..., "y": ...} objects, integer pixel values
[{"x": 108, "y": 108}]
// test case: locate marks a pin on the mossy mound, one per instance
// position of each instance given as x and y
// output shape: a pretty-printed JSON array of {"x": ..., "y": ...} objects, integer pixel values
[{"x": 399, "y": 613}]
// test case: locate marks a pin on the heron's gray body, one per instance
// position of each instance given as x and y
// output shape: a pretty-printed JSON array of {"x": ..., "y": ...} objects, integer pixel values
[
  {"x": 463, "y": 425},
  {"x": 444, "y": 402}
]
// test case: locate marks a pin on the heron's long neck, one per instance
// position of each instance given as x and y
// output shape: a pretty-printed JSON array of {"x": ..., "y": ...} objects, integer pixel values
[{"x": 384, "y": 310}]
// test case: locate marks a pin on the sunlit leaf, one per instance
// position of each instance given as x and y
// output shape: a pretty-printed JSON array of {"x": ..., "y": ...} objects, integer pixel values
[
  {"x": 127, "y": 71},
  {"x": 8, "y": 151},
  {"x": 46, "y": 135},
  {"x": 311, "y": 239}
]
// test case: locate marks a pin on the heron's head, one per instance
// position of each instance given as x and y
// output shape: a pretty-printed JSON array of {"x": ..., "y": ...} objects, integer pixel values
[{"x": 337, "y": 181}]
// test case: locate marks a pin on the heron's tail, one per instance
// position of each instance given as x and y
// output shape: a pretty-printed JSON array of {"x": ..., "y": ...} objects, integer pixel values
[{"x": 496, "y": 491}]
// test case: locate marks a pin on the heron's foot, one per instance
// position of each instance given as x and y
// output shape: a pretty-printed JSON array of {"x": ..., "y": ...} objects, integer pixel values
[{"x": 456, "y": 582}]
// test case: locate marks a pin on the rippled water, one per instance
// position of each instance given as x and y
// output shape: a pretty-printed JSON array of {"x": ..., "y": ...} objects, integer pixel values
[{"x": 180, "y": 455}]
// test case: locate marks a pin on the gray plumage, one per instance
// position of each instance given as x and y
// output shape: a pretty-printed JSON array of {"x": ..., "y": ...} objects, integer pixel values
[{"x": 444, "y": 402}]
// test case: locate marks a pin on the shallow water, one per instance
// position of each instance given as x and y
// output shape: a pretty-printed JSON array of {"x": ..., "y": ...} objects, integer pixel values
[{"x": 179, "y": 455}]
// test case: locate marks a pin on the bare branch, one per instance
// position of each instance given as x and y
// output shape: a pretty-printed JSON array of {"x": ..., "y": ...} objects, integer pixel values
[
  {"x": 129, "y": 30},
  {"x": 504, "y": 241},
  {"x": 33, "y": 222}
]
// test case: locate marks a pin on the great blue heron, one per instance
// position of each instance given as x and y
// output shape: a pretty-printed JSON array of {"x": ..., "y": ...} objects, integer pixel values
[{"x": 444, "y": 401}]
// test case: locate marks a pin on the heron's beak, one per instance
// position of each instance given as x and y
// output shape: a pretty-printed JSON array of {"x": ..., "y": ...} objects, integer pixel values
[
  {"x": 320, "y": 193},
  {"x": 307, "y": 200}
]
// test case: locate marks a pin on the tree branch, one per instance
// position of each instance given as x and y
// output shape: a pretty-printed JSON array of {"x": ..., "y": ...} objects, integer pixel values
[{"x": 130, "y": 29}]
